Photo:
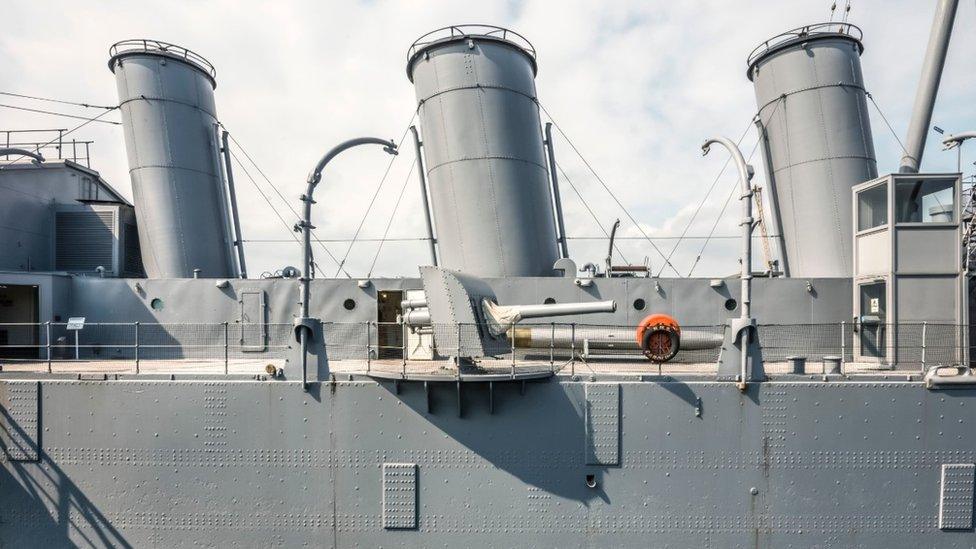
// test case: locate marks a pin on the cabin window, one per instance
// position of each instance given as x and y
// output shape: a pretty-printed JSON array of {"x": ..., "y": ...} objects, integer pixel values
[
  {"x": 872, "y": 207},
  {"x": 925, "y": 200}
]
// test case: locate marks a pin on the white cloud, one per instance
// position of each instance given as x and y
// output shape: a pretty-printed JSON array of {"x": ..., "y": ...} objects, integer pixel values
[{"x": 637, "y": 86}]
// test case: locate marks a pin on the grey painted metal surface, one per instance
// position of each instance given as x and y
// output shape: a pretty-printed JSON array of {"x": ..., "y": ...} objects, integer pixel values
[
  {"x": 928, "y": 85},
  {"x": 170, "y": 120},
  {"x": 32, "y": 194},
  {"x": 691, "y": 301},
  {"x": 486, "y": 167},
  {"x": 259, "y": 464},
  {"x": 812, "y": 104}
]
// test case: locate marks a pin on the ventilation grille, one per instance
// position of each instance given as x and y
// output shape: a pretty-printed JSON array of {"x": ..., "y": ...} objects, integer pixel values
[
  {"x": 84, "y": 240},
  {"x": 132, "y": 266}
]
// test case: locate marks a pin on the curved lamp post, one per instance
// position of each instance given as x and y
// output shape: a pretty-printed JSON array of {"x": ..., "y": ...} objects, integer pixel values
[
  {"x": 304, "y": 324},
  {"x": 745, "y": 176}
]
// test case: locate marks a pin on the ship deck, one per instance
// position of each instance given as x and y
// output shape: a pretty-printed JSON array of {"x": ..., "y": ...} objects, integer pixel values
[{"x": 442, "y": 370}]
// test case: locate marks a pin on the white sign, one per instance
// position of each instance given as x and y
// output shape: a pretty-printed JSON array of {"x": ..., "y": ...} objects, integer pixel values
[
  {"x": 875, "y": 305},
  {"x": 76, "y": 323}
]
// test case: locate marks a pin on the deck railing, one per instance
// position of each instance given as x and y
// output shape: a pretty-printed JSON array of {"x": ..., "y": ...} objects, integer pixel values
[{"x": 388, "y": 348}]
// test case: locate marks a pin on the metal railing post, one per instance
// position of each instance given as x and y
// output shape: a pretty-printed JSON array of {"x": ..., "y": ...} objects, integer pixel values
[
  {"x": 512, "y": 341},
  {"x": 403, "y": 349},
  {"x": 226, "y": 348},
  {"x": 369, "y": 360},
  {"x": 924, "y": 334},
  {"x": 137, "y": 347},
  {"x": 572, "y": 349},
  {"x": 47, "y": 329},
  {"x": 843, "y": 344},
  {"x": 457, "y": 353},
  {"x": 552, "y": 347}
]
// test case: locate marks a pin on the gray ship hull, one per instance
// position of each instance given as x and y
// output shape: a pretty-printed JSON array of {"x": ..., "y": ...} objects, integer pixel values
[{"x": 801, "y": 462}]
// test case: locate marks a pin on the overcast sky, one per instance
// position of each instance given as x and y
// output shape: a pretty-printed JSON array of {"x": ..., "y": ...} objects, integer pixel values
[{"x": 636, "y": 85}]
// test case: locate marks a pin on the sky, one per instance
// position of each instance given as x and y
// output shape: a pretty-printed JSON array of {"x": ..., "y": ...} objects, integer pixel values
[{"x": 636, "y": 85}]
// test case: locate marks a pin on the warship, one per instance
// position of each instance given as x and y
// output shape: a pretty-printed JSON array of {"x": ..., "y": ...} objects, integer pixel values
[{"x": 153, "y": 394}]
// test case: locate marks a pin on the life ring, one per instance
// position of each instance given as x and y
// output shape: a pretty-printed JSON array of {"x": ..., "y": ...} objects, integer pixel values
[{"x": 659, "y": 337}]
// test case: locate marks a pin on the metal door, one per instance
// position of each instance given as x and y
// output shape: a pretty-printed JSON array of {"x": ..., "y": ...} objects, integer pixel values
[
  {"x": 254, "y": 329},
  {"x": 872, "y": 334}
]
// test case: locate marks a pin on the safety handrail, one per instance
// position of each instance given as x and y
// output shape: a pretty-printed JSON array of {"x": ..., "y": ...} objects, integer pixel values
[
  {"x": 803, "y": 32},
  {"x": 158, "y": 46},
  {"x": 461, "y": 31}
]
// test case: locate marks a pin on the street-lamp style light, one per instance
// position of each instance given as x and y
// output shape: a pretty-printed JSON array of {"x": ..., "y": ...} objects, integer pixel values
[
  {"x": 304, "y": 324},
  {"x": 745, "y": 176}
]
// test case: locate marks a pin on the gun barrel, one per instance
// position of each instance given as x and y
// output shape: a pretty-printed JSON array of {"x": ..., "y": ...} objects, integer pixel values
[{"x": 563, "y": 309}]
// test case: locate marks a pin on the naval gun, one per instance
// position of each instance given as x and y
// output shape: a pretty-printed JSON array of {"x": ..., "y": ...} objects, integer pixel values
[{"x": 463, "y": 314}]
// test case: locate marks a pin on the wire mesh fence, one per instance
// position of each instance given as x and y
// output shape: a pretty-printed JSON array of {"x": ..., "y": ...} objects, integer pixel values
[
  {"x": 134, "y": 346},
  {"x": 465, "y": 348}
]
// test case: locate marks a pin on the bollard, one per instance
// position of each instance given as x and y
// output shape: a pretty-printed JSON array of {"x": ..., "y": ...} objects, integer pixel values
[
  {"x": 831, "y": 365},
  {"x": 797, "y": 364}
]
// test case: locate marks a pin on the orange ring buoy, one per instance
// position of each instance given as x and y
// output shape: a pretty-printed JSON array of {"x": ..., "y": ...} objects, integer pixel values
[{"x": 659, "y": 337}]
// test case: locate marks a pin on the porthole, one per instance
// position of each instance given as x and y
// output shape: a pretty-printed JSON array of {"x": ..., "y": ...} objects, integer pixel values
[
  {"x": 639, "y": 304},
  {"x": 349, "y": 304},
  {"x": 731, "y": 304},
  {"x": 156, "y": 304},
  {"x": 549, "y": 301}
]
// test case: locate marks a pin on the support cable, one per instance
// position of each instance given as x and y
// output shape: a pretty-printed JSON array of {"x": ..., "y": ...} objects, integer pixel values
[
  {"x": 389, "y": 222},
  {"x": 281, "y": 196},
  {"x": 377, "y": 192},
  {"x": 425, "y": 239},
  {"x": 61, "y": 101},
  {"x": 759, "y": 139},
  {"x": 705, "y": 198},
  {"x": 607, "y": 188},
  {"x": 267, "y": 199},
  {"x": 61, "y": 114},
  {"x": 593, "y": 215},
  {"x": 888, "y": 124},
  {"x": 735, "y": 185}
]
